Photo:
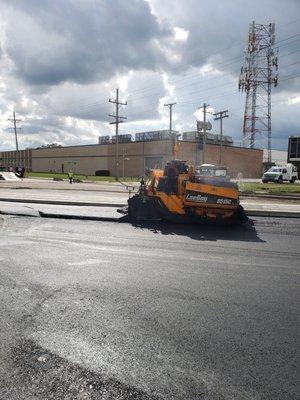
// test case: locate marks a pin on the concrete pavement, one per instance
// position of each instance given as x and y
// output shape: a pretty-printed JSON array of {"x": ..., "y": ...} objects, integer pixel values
[
  {"x": 8, "y": 176},
  {"x": 268, "y": 207},
  {"x": 40, "y": 210},
  {"x": 49, "y": 184},
  {"x": 94, "y": 199},
  {"x": 92, "y": 195}
]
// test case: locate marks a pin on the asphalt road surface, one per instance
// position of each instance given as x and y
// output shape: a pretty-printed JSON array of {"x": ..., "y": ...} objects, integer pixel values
[{"x": 99, "y": 310}]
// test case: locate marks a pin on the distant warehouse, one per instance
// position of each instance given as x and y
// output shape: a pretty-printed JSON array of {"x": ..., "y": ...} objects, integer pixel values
[{"x": 147, "y": 150}]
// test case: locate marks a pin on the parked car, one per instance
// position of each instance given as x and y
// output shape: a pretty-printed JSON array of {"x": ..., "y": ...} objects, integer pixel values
[{"x": 279, "y": 174}]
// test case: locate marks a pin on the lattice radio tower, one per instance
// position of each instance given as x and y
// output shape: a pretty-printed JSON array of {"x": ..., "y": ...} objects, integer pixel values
[{"x": 257, "y": 77}]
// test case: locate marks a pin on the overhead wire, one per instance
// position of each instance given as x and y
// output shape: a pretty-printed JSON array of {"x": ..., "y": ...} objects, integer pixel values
[
  {"x": 151, "y": 93},
  {"x": 141, "y": 90},
  {"x": 229, "y": 84},
  {"x": 89, "y": 109}
]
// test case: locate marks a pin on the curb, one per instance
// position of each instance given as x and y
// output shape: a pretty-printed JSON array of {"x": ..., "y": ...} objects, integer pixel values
[
  {"x": 255, "y": 213},
  {"x": 65, "y": 216},
  {"x": 63, "y": 203},
  {"x": 70, "y": 189},
  {"x": 250, "y": 213},
  {"x": 18, "y": 214},
  {"x": 79, "y": 217},
  {"x": 270, "y": 196},
  {"x": 114, "y": 182},
  {"x": 266, "y": 214},
  {"x": 274, "y": 214}
]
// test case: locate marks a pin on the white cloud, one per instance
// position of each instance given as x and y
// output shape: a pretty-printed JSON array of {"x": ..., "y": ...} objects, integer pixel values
[
  {"x": 293, "y": 100},
  {"x": 58, "y": 72},
  {"x": 199, "y": 114},
  {"x": 181, "y": 34},
  {"x": 209, "y": 70}
]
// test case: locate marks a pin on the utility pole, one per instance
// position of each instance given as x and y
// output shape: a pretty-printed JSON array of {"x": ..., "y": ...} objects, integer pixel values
[
  {"x": 118, "y": 120},
  {"x": 15, "y": 122},
  {"x": 257, "y": 77},
  {"x": 172, "y": 136},
  {"x": 219, "y": 116},
  {"x": 204, "y": 107},
  {"x": 15, "y": 128}
]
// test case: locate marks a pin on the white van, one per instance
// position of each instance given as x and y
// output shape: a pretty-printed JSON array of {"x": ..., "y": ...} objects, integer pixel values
[{"x": 280, "y": 174}]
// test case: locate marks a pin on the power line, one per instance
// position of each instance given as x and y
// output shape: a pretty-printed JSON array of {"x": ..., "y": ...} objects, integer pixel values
[
  {"x": 196, "y": 73},
  {"x": 194, "y": 100},
  {"x": 188, "y": 94},
  {"x": 218, "y": 64},
  {"x": 223, "y": 95},
  {"x": 90, "y": 110},
  {"x": 96, "y": 104},
  {"x": 195, "y": 78},
  {"x": 288, "y": 23}
]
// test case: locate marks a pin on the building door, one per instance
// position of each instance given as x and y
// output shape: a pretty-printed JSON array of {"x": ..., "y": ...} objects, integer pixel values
[
  {"x": 62, "y": 168},
  {"x": 153, "y": 162}
]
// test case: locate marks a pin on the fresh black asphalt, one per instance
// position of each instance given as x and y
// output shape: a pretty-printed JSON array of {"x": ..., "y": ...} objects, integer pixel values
[{"x": 103, "y": 310}]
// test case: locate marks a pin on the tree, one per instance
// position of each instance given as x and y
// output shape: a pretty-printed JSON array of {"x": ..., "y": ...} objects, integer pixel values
[{"x": 50, "y": 145}]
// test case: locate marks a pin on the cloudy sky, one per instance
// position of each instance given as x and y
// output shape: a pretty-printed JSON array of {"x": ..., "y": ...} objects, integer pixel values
[{"x": 61, "y": 60}]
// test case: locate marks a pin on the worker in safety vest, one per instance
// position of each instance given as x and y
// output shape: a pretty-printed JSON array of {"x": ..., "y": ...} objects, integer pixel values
[{"x": 71, "y": 176}]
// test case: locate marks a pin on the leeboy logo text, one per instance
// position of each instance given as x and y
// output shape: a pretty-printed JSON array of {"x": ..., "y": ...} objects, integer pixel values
[{"x": 198, "y": 198}]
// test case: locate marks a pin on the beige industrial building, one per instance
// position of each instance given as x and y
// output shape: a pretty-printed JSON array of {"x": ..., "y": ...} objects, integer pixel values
[
  {"x": 134, "y": 158},
  {"x": 22, "y": 158}
]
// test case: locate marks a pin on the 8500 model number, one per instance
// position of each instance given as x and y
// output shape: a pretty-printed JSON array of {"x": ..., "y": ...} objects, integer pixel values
[{"x": 224, "y": 201}]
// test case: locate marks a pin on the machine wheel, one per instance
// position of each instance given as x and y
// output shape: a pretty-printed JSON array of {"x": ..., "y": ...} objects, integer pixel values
[
  {"x": 141, "y": 208},
  {"x": 241, "y": 214},
  {"x": 293, "y": 180},
  {"x": 280, "y": 180},
  {"x": 239, "y": 217}
]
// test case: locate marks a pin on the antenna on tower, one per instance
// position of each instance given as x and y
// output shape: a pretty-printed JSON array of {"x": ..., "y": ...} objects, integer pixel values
[{"x": 257, "y": 77}]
